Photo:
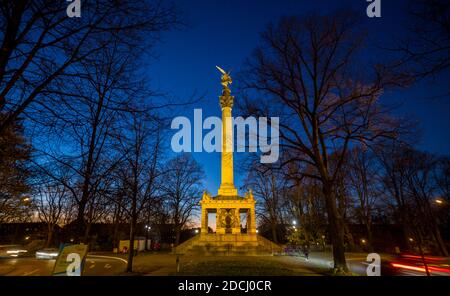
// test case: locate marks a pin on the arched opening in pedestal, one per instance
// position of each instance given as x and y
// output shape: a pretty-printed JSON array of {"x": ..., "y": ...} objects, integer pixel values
[
  {"x": 243, "y": 218},
  {"x": 212, "y": 221}
]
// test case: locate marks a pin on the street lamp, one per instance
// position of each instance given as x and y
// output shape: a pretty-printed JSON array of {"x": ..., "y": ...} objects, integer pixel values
[
  {"x": 363, "y": 241},
  {"x": 294, "y": 222},
  {"x": 196, "y": 230},
  {"x": 439, "y": 201}
]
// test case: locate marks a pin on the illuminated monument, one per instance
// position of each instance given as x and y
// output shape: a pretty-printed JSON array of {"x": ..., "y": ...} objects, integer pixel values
[{"x": 232, "y": 236}]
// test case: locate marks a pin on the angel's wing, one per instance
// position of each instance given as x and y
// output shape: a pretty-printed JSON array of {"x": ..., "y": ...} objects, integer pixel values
[{"x": 221, "y": 70}]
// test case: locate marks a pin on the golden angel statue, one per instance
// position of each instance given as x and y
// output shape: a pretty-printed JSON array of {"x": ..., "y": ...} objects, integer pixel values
[{"x": 226, "y": 78}]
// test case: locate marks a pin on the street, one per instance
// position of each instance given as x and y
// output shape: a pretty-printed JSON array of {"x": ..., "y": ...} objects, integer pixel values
[
  {"x": 163, "y": 264},
  {"x": 356, "y": 262},
  {"x": 30, "y": 266}
]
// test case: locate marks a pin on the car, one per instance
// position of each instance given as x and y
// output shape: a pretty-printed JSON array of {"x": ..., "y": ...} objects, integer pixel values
[
  {"x": 47, "y": 253},
  {"x": 413, "y": 265},
  {"x": 7, "y": 251}
]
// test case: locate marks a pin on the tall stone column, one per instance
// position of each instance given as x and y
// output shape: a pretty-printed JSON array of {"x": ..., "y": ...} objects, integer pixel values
[
  {"x": 227, "y": 179},
  {"x": 204, "y": 221},
  {"x": 252, "y": 219},
  {"x": 237, "y": 219},
  {"x": 220, "y": 229}
]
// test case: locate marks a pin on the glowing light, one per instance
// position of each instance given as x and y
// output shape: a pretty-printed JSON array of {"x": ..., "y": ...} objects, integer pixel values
[
  {"x": 294, "y": 222},
  {"x": 409, "y": 267},
  {"x": 421, "y": 269},
  {"x": 420, "y": 257},
  {"x": 439, "y": 201},
  {"x": 196, "y": 231},
  {"x": 16, "y": 251},
  {"x": 46, "y": 254},
  {"x": 411, "y": 239}
]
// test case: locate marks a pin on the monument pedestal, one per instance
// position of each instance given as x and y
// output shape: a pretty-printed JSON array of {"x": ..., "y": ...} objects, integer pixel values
[{"x": 231, "y": 238}]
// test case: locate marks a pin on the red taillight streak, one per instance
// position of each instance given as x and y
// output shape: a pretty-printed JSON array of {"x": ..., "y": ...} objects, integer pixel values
[
  {"x": 421, "y": 269},
  {"x": 419, "y": 257},
  {"x": 408, "y": 267}
]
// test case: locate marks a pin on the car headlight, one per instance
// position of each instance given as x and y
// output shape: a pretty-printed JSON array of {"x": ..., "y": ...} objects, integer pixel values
[
  {"x": 16, "y": 251},
  {"x": 46, "y": 254}
]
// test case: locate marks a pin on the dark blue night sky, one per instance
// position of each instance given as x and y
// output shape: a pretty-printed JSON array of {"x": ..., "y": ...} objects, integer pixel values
[{"x": 225, "y": 33}]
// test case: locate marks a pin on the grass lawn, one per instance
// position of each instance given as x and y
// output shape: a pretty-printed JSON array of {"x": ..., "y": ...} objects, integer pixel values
[
  {"x": 162, "y": 264},
  {"x": 233, "y": 267},
  {"x": 245, "y": 266}
]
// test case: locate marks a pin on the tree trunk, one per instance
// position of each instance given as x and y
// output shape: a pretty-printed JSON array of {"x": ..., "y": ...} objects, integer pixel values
[
  {"x": 274, "y": 232},
  {"x": 49, "y": 235},
  {"x": 115, "y": 240},
  {"x": 80, "y": 224},
  {"x": 336, "y": 230},
  {"x": 177, "y": 235},
  {"x": 369, "y": 236},
  {"x": 131, "y": 248},
  {"x": 9, "y": 37},
  {"x": 86, "y": 233},
  {"x": 348, "y": 237},
  {"x": 440, "y": 242}
]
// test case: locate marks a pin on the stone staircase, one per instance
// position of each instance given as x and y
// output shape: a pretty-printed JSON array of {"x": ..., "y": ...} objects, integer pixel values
[
  {"x": 187, "y": 245},
  {"x": 269, "y": 245},
  {"x": 228, "y": 245}
]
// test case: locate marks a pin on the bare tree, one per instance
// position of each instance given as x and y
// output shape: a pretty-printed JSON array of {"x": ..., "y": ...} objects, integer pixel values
[
  {"x": 41, "y": 44},
  {"x": 305, "y": 73},
  {"x": 50, "y": 204},
  {"x": 442, "y": 179},
  {"x": 269, "y": 188},
  {"x": 182, "y": 190},
  {"x": 15, "y": 173},
  {"x": 364, "y": 185},
  {"x": 91, "y": 108},
  {"x": 425, "y": 52},
  {"x": 394, "y": 182},
  {"x": 422, "y": 188},
  {"x": 139, "y": 171},
  {"x": 409, "y": 178}
]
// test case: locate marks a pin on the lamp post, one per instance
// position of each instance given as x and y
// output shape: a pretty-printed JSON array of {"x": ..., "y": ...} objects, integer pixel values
[
  {"x": 147, "y": 228},
  {"x": 439, "y": 201}
]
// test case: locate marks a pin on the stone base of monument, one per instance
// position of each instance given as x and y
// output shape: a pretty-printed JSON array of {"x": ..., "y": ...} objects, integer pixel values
[{"x": 228, "y": 245}]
